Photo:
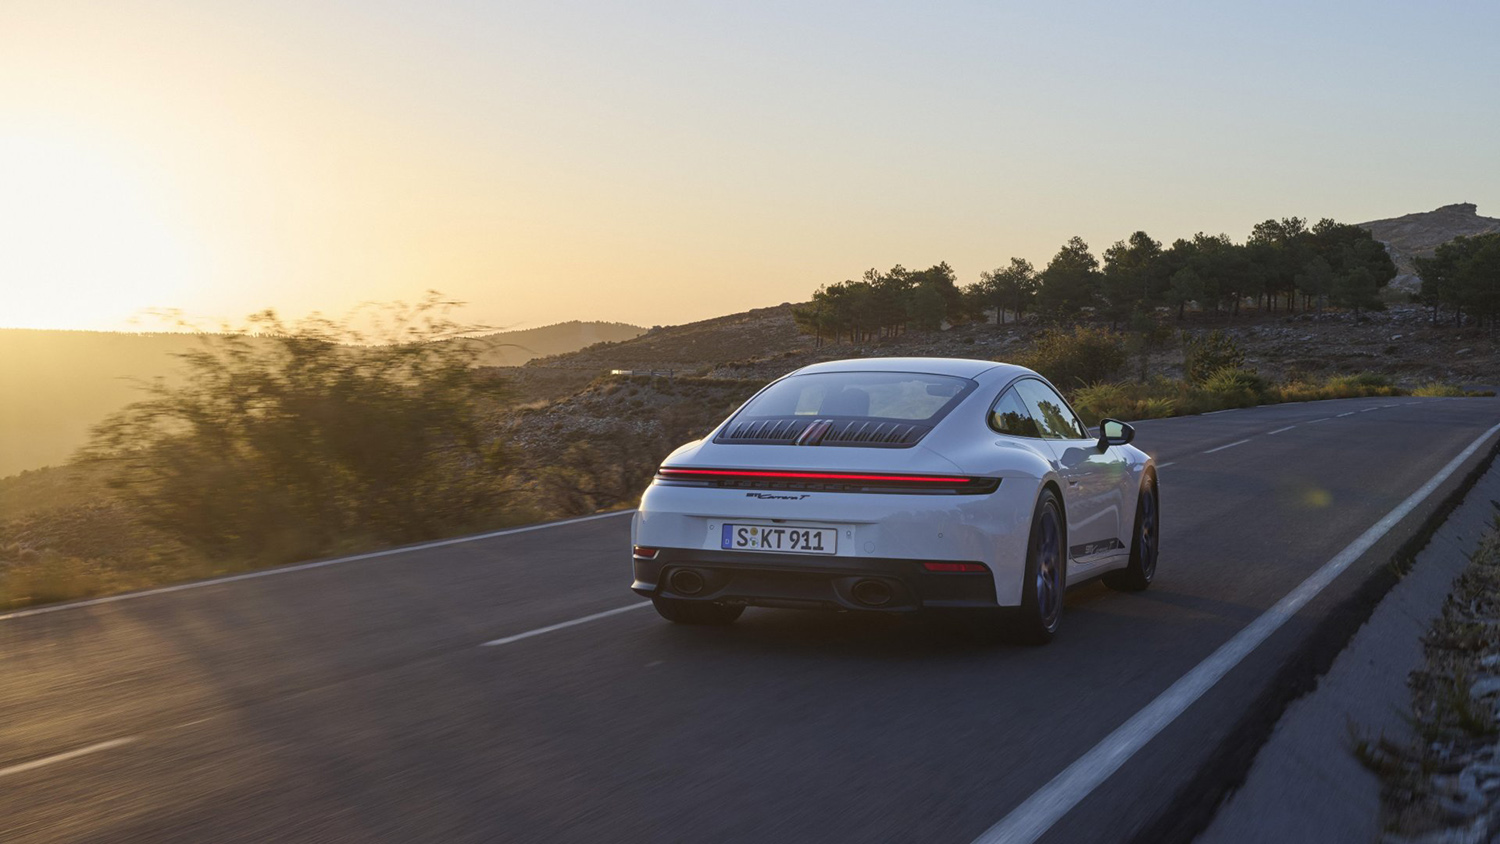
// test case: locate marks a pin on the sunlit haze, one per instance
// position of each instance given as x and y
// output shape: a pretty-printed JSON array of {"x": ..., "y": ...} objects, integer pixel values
[{"x": 657, "y": 163}]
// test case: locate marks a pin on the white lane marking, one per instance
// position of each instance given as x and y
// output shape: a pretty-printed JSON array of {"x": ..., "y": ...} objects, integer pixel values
[
  {"x": 1226, "y": 410},
  {"x": 1279, "y": 430},
  {"x": 1342, "y": 415},
  {"x": 1030, "y": 820},
  {"x": 1166, "y": 464},
  {"x": 562, "y": 624},
  {"x": 1368, "y": 409},
  {"x": 1316, "y": 421},
  {"x": 1222, "y": 447},
  {"x": 63, "y": 757},
  {"x": 198, "y": 584}
]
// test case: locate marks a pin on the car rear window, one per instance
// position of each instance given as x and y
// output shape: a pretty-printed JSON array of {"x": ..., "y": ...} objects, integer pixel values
[{"x": 885, "y": 396}]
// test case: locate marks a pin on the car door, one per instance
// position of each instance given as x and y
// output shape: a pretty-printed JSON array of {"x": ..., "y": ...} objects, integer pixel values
[{"x": 1093, "y": 478}]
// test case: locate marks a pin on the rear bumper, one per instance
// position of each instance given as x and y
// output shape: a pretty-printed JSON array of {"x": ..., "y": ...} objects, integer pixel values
[{"x": 804, "y": 582}]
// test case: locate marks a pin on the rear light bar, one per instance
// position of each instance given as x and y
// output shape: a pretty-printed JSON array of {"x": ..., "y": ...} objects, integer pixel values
[
  {"x": 828, "y": 481},
  {"x": 954, "y": 567}
]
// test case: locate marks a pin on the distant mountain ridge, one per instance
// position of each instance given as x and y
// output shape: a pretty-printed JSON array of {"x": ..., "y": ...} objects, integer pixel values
[
  {"x": 513, "y": 348},
  {"x": 690, "y": 346},
  {"x": 1418, "y": 235}
]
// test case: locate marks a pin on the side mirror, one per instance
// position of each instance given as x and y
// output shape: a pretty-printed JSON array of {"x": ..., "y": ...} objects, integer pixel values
[{"x": 1114, "y": 432}]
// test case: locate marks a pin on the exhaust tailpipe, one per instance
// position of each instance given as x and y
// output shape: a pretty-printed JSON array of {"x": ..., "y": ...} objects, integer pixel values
[
  {"x": 872, "y": 593},
  {"x": 686, "y": 582}
]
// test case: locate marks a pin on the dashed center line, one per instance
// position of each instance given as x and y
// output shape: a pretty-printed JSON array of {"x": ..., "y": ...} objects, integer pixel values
[
  {"x": 63, "y": 757},
  {"x": 1222, "y": 447},
  {"x": 1342, "y": 415},
  {"x": 1316, "y": 421},
  {"x": 1166, "y": 464},
  {"x": 1368, "y": 409},
  {"x": 1279, "y": 430}
]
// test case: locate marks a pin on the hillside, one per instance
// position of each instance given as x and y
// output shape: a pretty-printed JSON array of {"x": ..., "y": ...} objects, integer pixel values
[
  {"x": 57, "y": 384},
  {"x": 764, "y": 343},
  {"x": 589, "y": 439},
  {"x": 513, "y": 348},
  {"x": 751, "y": 334},
  {"x": 1417, "y": 235}
]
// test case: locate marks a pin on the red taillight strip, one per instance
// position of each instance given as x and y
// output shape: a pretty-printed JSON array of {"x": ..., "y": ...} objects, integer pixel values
[{"x": 815, "y": 476}]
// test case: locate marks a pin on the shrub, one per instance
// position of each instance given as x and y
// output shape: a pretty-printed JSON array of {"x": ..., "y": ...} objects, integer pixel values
[
  {"x": 1338, "y": 387},
  {"x": 1156, "y": 408},
  {"x": 1224, "y": 388},
  {"x": 1231, "y": 379},
  {"x": 39, "y": 577},
  {"x": 310, "y": 438},
  {"x": 1151, "y": 400},
  {"x": 1072, "y": 359},
  {"x": 1437, "y": 388},
  {"x": 1097, "y": 397},
  {"x": 1360, "y": 380},
  {"x": 1230, "y": 386},
  {"x": 1205, "y": 355}
]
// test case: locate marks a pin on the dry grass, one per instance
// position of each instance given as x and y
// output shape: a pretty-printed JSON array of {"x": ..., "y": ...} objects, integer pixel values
[
  {"x": 1224, "y": 389},
  {"x": 86, "y": 543},
  {"x": 1443, "y": 783}
]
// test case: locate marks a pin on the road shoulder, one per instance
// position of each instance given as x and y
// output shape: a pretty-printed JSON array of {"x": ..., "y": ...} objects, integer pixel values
[{"x": 1306, "y": 784}]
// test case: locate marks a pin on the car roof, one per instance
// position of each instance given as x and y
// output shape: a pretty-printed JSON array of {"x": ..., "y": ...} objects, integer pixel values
[{"x": 960, "y": 367}]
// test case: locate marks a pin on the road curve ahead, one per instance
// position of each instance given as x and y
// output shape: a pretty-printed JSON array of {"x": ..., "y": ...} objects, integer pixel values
[{"x": 360, "y": 700}]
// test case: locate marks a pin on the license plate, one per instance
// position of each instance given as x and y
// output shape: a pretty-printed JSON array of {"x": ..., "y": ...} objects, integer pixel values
[{"x": 790, "y": 540}]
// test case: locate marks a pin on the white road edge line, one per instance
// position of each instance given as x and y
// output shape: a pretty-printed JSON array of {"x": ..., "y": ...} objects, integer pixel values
[
  {"x": 562, "y": 624},
  {"x": 63, "y": 757},
  {"x": 198, "y": 584},
  {"x": 1031, "y": 820},
  {"x": 1222, "y": 447},
  {"x": 1279, "y": 430}
]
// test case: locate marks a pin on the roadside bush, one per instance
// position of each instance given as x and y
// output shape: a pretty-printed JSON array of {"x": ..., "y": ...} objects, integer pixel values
[
  {"x": 1097, "y": 401},
  {"x": 1338, "y": 387},
  {"x": 1225, "y": 388},
  {"x": 1154, "y": 399},
  {"x": 1359, "y": 380},
  {"x": 313, "y": 439},
  {"x": 1436, "y": 388},
  {"x": 1203, "y": 356},
  {"x": 1235, "y": 387},
  {"x": 1071, "y": 359}
]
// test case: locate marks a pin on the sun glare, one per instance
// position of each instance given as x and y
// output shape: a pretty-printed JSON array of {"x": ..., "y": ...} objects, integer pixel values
[{"x": 89, "y": 242}]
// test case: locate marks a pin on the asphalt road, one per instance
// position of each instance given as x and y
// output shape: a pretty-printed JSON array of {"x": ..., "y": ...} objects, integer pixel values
[{"x": 356, "y": 701}]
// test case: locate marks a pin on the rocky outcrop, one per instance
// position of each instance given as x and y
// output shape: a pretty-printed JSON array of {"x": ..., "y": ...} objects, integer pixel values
[{"x": 1418, "y": 235}]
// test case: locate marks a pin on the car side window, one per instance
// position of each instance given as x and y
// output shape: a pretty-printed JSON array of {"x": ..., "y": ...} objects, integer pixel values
[
  {"x": 1052, "y": 415},
  {"x": 1010, "y": 416}
]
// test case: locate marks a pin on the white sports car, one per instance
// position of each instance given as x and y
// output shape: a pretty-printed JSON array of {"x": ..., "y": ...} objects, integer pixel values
[{"x": 896, "y": 485}]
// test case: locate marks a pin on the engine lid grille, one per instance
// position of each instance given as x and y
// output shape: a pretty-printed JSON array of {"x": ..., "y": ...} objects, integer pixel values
[{"x": 801, "y": 430}]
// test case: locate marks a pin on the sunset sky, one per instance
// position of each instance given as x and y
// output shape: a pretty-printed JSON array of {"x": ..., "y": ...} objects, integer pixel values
[{"x": 658, "y": 163}]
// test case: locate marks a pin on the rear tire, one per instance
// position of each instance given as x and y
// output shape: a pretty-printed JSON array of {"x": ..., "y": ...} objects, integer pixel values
[
  {"x": 1040, "y": 613},
  {"x": 696, "y": 612},
  {"x": 1145, "y": 544}
]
